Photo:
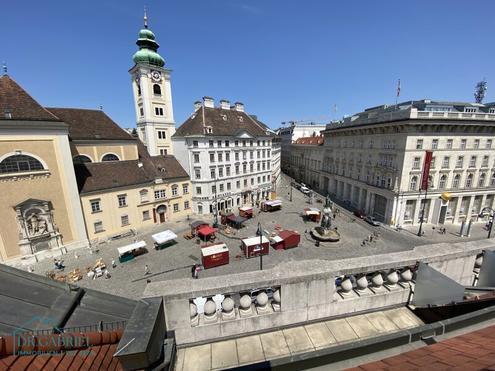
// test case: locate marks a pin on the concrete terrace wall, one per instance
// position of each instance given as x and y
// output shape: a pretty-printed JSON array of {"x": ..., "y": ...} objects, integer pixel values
[{"x": 307, "y": 290}]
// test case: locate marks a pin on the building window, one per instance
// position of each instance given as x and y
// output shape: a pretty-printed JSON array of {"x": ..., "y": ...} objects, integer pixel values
[
  {"x": 196, "y": 158},
  {"x": 476, "y": 143},
  {"x": 236, "y": 156},
  {"x": 81, "y": 159},
  {"x": 463, "y": 143},
  {"x": 146, "y": 215},
  {"x": 251, "y": 143},
  {"x": 221, "y": 187},
  {"x": 195, "y": 143},
  {"x": 488, "y": 144},
  {"x": 220, "y": 172},
  {"x": 472, "y": 161},
  {"x": 143, "y": 195},
  {"x": 176, "y": 208},
  {"x": 110, "y": 157},
  {"x": 163, "y": 152},
  {"x": 159, "y": 194},
  {"x": 220, "y": 157},
  {"x": 175, "y": 190},
  {"x": 470, "y": 109},
  {"x": 238, "y": 184},
  {"x": 158, "y": 111},
  {"x": 434, "y": 144},
  {"x": 198, "y": 190},
  {"x": 432, "y": 163},
  {"x": 455, "y": 183},
  {"x": 469, "y": 181},
  {"x": 459, "y": 162},
  {"x": 485, "y": 161},
  {"x": 212, "y": 157},
  {"x": 259, "y": 180},
  {"x": 446, "y": 162},
  {"x": 244, "y": 143},
  {"x": 227, "y": 156},
  {"x": 157, "y": 90},
  {"x": 413, "y": 183},
  {"x": 491, "y": 110},
  {"x": 236, "y": 143},
  {"x": 449, "y": 143},
  {"x": 419, "y": 144},
  {"x": 211, "y": 143},
  {"x": 228, "y": 186},
  {"x": 212, "y": 173},
  {"x": 124, "y": 219},
  {"x": 95, "y": 206},
  {"x": 122, "y": 200},
  {"x": 213, "y": 188},
  {"x": 236, "y": 169},
  {"x": 227, "y": 143},
  {"x": 162, "y": 134},
  {"x": 197, "y": 173},
  {"x": 245, "y": 182},
  {"x": 252, "y": 181},
  {"x": 492, "y": 181},
  {"x": 251, "y": 167},
  {"x": 443, "y": 182},
  {"x": 244, "y": 168},
  {"x": 185, "y": 189},
  {"x": 416, "y": 162},
  {"x": 227, "y": 170},
  {"x": 141, "y": 111},
  {"x": 481, "y": 180},
  {"x": 186, "y": 205},
  {"x": 98, "y": 226}
]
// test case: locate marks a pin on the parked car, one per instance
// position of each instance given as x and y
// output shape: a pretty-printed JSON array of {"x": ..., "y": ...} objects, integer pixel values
[
  {"x": 305, "y": 190},
  {"x": 371, "y": 220},
  {"x": 360, "y": 214}
]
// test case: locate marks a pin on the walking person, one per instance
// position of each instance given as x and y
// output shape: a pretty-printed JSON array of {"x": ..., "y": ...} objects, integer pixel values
[
  {"x": 196, "y": 271},
  {"x": 113, "y": 263},
  {"x": 146, "y": 270}
]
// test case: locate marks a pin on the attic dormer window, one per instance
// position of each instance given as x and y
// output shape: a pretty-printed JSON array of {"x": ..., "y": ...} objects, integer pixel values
[
  {"x": 224, "y": 117},
  {"x": 241, "y": 119},
  {"x": 470, "y": 109},
  {"x": 7, "y": 113}
]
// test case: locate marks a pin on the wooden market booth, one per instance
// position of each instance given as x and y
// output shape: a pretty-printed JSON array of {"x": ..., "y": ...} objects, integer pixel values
[
  {"x": 236, "y": 221},
  {"x": 246, "y": 212},
  {"x": 286, "y": 239},
  {"x": 164, "y": 239},
  {"x": 251, "y": 246},
  {"x": 214, "y": 255},
  {"x": 312, "y": 213},
  {"x": 129, "y": 252},
  {"x": 206, "y": 233}
]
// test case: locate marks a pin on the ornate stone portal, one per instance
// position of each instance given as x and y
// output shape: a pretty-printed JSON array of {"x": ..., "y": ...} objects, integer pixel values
[
  {"x": 37, "y": 230},
  {"x": 323, "y": 232}
]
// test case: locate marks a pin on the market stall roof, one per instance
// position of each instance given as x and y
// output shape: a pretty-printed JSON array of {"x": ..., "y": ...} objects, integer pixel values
[
  {"x": 214, "y": 249},
  {"x": 286, "y": 233},
  {"x": 133, "y": 246},
  {"x": 246, "y": 208},
  {"x": 236, "y": 218},
  {"x": 277, "y": 239},
  {"x": 273, "y": 203},
  {"x": 206, "y": 230},
  {"x": 311, "y": 211},
  {"x": 197, "y": 223},
  {"x": 254, "y": 240},
  {"x": 163, "y": 237}
]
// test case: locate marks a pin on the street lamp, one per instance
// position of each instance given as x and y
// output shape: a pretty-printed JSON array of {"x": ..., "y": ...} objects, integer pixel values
[
  {"x": 490, "y": 221},
  {"x": 215, "y": 206},
  {"x": 259, "y": 232}
]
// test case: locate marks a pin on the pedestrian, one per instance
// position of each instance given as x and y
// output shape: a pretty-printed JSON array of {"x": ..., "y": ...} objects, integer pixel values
[
  {"x": 193, "y": 271},
  {"x": 107, "y": 274},
  {"x": 113, "y": 263},
  {"x": 146, "y": 270},
  {"x": 196, "y": 271},
  {"x": 30, "y": 269}
]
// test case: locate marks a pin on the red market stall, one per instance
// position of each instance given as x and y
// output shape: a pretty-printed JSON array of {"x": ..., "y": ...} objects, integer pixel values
[
  {"x": 196, "y": 225},
  {"x": 271, "y": 205},
  {"x": 251, "y": 246},
  {"x": 214, "y": 255},
  {"x": 205, "y": 232},
  {"x": 312, "y": 213},
  {"x": 286, "y": 239},
  {"x": 246, "y": 212}
]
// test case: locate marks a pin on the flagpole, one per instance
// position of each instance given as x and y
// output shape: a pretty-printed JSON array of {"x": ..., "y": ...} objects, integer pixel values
[{"x": 398, "y": 94}]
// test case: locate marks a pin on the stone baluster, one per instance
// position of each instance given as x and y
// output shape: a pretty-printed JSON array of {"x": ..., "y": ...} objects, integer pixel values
[
  {"x": 362, "y": 284},
  {"x": 210, "y": 311},
  {"x": 377, "y": 282},
  {"x": 346, "y": 287},
  {"x": 245, "y": 306},
  {"x": 478, "y": 262},
  {"x": 276, "y": 300},
  {"x": 262, "y": 302},
  {"x": 392, "y": 279},
  {"x": 406, "y": 276},
  {"x": 193, "y": 311},
  {"x": 228, "y": 311}
]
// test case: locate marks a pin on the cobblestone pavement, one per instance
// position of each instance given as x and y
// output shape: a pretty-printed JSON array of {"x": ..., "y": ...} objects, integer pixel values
[{"x": 128, "y": 279}]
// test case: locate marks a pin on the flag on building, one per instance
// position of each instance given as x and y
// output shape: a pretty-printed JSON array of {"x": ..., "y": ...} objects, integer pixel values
[
  {"x": 398, "y": 88},
  {"x": 426, "y": 170}
]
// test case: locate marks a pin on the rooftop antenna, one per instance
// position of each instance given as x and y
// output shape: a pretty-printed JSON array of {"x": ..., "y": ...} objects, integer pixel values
[
  {"x": 145, "y": 18},
  {"x": 479, "y": 91},
  {"x": 4, "y": 67}
]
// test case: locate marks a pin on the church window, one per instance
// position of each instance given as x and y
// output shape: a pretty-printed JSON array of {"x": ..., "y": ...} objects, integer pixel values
[
  {"x": 158, "y": 111},
  {"x": 138, "y": 88},
  {"x": 163, "y": 152},
  {"x": 141, "y": 111},
  {"x": 110, "y": 157},
  {"x": 19, "y": 163},
  {"x": 81, "y": 159},
  {"x": 157, "y": 90},
  {"x": 162, "y": 134}
]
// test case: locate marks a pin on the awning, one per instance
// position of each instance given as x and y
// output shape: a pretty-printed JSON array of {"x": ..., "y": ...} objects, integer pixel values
[
  {"x": 206, "y": 230},
  {"x": 236, "y": 219},
  {"x": 163, "y": 237},
  {"x": 286, "y": 234},
  {"x": 254, "y": 241},
  {"x": 214, "y": 249},
  {"x": 197, "y": 223},
  {"x": 133, "y": 246},
  {"x": 311, "y": 211},
  {"x": 274, "y": 203},
  {"x": 246, "y": 208}
]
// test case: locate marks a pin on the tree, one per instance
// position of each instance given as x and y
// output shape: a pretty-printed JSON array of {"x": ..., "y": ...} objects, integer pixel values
[{"x": 479, "y": 92}]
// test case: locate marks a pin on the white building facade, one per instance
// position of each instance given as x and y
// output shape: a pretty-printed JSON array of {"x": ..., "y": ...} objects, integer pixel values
[
  {"x": 306, "y": 161},
  {"x": 375, "y": 159},
  {"x": 228, "y": 155}
]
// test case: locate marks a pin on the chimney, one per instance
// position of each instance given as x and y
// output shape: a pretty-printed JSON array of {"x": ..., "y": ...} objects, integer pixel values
[
  {"x": 209, "y": 102},
  {"x": 239, "y": 106},
  {"x": 224, "y": 104},
  {"x": 197, "y": 105}
]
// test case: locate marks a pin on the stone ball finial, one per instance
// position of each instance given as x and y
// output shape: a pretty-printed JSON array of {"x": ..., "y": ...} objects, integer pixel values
[
  {"x": 377, "y": 279},
  {"x": 362, "y": 282},
  {"x": 276, "y": 296},
  {"x": 406, "y": 275},
  {"x": 392, "y": 277},
  {"x": 228, "y": 304},
  {"x": 193, "y": 310},
  {"x": 346, "y": 284},
  {"x": 245, "y": 301},
  {"x": 210, "y": 307},
  {"x": 262, "y": 299}
]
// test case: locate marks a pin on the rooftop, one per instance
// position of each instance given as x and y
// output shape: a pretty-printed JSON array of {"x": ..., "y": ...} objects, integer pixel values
[{"x": 314, "y": 141}]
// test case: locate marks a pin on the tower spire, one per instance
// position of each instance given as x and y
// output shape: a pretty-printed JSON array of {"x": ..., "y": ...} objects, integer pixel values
[
  {"x": 4, "y": 67},
  {"x": 145, "y": 18}
]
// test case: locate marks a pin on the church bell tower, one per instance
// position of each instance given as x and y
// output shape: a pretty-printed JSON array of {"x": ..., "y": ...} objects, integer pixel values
[{"x": 152, "y": 95}]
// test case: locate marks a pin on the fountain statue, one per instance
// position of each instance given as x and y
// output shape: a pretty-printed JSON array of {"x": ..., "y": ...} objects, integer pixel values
[{"x": 324, "y": 231}]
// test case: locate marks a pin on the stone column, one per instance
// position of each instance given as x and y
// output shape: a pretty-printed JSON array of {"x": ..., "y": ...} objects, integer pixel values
[
  {"x": 457, "y": 209},
  {"x": 417, "y": 209},
  {"x": 470, "y": 205}
]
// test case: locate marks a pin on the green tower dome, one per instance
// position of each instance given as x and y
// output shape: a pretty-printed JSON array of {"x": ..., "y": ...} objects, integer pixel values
[{"x": 148, "y": 47}]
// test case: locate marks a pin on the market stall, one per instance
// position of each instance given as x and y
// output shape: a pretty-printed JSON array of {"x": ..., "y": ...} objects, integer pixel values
[
  {"x": 252, "y": 247},
  {"x": 286, "y": 239},
  {"x": 164, "y": 239},
  {"x": 312, "y": 213},
  {"x": 129, "y": 252},
  {"x": 206, "y": 233},
  {"x": 246, "y": 212},
  {"x": 236, "y": 221},
  {"x": 196, "y": 225},
  {"x": 214, "y": 255},
  {"x": 271, "y": 205}
]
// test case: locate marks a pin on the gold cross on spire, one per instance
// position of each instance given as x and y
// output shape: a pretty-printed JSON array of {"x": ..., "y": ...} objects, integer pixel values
[{"x": 145, "y": 18}]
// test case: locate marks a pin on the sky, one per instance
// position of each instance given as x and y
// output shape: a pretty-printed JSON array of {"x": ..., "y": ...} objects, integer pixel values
[{"x": 311, "y": 60}]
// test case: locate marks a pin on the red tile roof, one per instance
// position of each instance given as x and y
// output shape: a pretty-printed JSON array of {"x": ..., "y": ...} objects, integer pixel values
[
  {"x": 21, "y": 106},
  {"x": 315, "y": 141},
  {"x": 471, "y": 351}
]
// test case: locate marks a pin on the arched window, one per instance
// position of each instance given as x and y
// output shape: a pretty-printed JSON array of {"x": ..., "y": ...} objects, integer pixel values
[
  {"x": 442, "y": 182},
  {"x": 481, "y": 180},
  {"x": 110, "y": 157},
  {"x": 414, "y": 183},
  {"x": 138, "y": 88},
  {"x": 81, "y": 159},
  {"x": 455, "y": 183},
  {"x": 157, "y": 90},
  {"x": 469, "y": 181},
  {"x": 20, "y": 163},
  {"x": 430, "y": 182},
  {"x": 175, "y": 189},
  {"x": 143, "y": 195}
]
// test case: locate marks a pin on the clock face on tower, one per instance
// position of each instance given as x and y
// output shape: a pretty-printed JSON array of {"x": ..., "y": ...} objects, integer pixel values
[{"x": 156, "y": 76}]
